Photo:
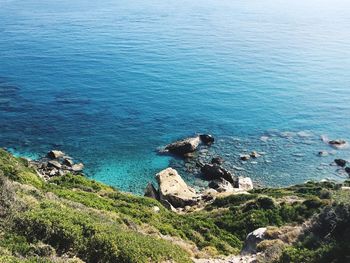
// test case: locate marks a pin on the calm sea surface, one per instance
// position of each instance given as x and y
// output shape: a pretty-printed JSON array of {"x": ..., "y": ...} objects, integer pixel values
[{"x": 110, "y": 81}]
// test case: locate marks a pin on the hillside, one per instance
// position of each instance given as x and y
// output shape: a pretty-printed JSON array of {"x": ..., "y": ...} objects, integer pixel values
[{"x": 74, "y": 219}]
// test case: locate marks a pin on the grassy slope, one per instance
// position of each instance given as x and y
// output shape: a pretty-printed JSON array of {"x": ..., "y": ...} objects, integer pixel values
[{"x": 75, "y": 218}]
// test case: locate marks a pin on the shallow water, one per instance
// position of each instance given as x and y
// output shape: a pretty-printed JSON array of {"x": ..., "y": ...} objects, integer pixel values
[{"x": 111, "y": 81}]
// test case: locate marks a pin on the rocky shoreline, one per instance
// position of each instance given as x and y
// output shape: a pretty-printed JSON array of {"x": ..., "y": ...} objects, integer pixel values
[{"x": 172, "y": 191}]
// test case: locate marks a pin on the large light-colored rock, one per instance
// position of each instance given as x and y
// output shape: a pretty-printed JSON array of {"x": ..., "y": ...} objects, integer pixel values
[
  {"x": 173, "y": 189},
  {"x": 245, "y": 183},
  {"x": 54, "y": 154},
  {"x": 252, "y": 240},
  {"x": 183, "y": 147}
]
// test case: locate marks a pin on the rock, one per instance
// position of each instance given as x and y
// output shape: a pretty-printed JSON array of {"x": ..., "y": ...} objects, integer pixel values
[
  {"x": 214, "y": 171},
  {"x": 155, "y": 209},
  {"x": 338, "y": 143},
  {"x": 68, "y": 162},
  {"x": 252, "y": 240},
  {"x": 54, "y": 154},
  {"x": 183, "y": 147},
  {"x": 53, "y": 172},
  {"x": 347, "y": 170},
  {"x": 173, "y": 189},
  {"x": 254, "y": 154},
  {"x": 151, "y": 191},
  {"x": 221, "y": 185},
  {"x": 245, "y": 183},
  {"x": 217, "y": 160},
  {"x": 340, "y": 162},
  {"x": 207, "y": 139},
  {"x": 209, "y": 194},
  {"x": 169, "y": 206},
  {"x": 200, "y": 163},
  {"x": 54, "y": 164},
  {"x": 78, "y": 167},
  {"x": 244, "y": 157},
  {"x": 323, "y": 153}
]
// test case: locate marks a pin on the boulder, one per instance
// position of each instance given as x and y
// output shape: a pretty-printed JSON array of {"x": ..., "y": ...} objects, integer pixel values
[
  {"x": 155, "y": 209},
  {"x": 217, "y": 160},
  {"x": 214, "y": 171},
  {"x": 252, "y": 240},
  {"x": 183, "y": 147},
  {"x": 54, "y": 154},
  {"x": 244, "y": 183},
  {"x": 151, "y": 191},
  {"x": 55, "y": 164},
  {"x": 221, "y": 185},
  {"x": 340, "y": 162},
  {"x": 207, "y": 139},
  {"x": 68, "y": 162},
  {"x": 78, "y": 167},
  {"x": 173, "y": 189}
]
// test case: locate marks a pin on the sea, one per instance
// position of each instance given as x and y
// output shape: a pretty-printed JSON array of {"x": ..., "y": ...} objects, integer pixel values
[{"x": 111, "y": 81}]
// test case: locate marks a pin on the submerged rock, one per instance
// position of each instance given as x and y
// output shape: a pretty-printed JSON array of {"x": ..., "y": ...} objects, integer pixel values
[
  {"x": 347, "y": 170},
  {"x": 173, "y": 189},
  {"x": 254, "y": 154},
  {"x": 207, "y": 139},
  {"x": 183, "y": 147},
  {"x": 214, "y": 172},
  {"x": 217, "y": 160},
  {"x": 340, "y": 162},
  {"x": 339, "y": 143},
  {"x": 323, "y": 153},
  {"x": 244, "y": 157}
]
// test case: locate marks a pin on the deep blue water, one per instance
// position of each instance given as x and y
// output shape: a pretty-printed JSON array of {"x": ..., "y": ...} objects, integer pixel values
[{"x": 110, "y": 81}]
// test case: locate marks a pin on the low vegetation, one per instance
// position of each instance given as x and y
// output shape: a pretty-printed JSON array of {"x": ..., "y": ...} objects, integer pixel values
[{"x": 74, "y": 219}]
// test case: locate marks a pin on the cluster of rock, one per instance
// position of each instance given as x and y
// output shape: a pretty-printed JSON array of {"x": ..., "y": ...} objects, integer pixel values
[
  {"x": 56, "y": 163},
  {"x": 174, "y": 193}
]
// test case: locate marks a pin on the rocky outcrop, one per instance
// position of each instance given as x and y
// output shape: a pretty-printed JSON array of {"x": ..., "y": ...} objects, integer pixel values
[
  {"x": 252, "y": 240},
  {"x": 173, "y": 189},
  {"x": 56, "y": 163},
  {"x": 214, "y": 172},
  {"x": 183, "y": 147}
]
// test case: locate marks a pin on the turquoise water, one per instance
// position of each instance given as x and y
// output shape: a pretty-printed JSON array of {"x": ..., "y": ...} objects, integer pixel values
[{"x": 111, "y": 81}]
